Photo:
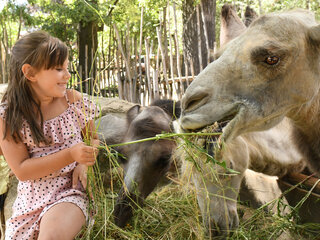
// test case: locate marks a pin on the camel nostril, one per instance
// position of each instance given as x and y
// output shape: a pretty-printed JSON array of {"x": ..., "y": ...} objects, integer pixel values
[{"x": 195, "y": 102}]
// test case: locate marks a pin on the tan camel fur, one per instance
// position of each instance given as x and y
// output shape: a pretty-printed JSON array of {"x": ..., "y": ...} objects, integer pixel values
[{"x": 266, "y": 84}]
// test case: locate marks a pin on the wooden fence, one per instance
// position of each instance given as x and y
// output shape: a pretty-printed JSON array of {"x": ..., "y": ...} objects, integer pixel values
[
  {"x": 135, "y": 81},
  {"x": 134, "y": 68},
  {"x": 139, "y": 70}
]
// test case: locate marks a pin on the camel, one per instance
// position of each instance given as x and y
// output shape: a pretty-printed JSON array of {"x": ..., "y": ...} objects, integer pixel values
[{"x": 265, "y": 85}]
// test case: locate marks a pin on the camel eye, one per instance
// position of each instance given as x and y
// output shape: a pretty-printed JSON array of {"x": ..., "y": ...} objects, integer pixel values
[{"x": 272, "y": 60}]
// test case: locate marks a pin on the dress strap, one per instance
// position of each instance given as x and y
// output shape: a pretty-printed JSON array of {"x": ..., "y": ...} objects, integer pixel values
[{"x": 66, "y": 95}]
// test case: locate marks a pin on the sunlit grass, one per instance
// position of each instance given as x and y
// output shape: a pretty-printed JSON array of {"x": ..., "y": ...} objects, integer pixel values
[{"x": 172, "y": 212}]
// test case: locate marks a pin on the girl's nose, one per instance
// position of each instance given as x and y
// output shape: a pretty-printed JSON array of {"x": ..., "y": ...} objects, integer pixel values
[{"x": 67, "y": 74}]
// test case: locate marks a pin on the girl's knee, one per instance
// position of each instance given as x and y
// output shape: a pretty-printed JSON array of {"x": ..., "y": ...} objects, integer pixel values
[{"x": 51, "y": 234}]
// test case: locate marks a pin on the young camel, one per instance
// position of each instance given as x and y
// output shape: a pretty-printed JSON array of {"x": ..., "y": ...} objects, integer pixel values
[{"x": 265, "y": 83}]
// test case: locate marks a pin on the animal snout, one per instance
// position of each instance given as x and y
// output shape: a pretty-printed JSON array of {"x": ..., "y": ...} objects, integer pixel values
[
  {"x": 198, "y": 97},
  {"x": 223, "y": 226},
  {"x": 123, "y": 210}
]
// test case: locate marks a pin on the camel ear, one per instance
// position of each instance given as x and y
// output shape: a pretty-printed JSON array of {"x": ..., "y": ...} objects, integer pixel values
[
  {"x": 133, "y": 112},
  {"x": 314, "y": 34}
]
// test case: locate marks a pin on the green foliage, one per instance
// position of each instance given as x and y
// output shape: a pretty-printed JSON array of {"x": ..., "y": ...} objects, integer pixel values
[
  {"x": 128, "y": 13},
  {"x": 62, "y": 17}
]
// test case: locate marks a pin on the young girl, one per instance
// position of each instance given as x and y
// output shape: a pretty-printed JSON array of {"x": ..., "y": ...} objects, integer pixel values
[{"x": 41, "y": 129}]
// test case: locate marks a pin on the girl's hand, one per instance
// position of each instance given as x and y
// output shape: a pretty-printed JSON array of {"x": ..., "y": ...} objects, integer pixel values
[
  {"x": 84, "y": 154},
  {"x": 95, "y": 142},
  {"x": 80, "y": 174}
]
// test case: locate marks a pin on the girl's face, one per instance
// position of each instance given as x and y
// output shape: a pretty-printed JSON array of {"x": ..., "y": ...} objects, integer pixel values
[{"x": 52, "y": 82}]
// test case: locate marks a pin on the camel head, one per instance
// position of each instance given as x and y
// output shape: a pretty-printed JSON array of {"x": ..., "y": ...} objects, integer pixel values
[{"x": 270, "y": 71}]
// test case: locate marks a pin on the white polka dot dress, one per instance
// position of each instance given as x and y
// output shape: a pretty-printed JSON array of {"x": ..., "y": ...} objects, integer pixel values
[{"x": 35, "y": 197}]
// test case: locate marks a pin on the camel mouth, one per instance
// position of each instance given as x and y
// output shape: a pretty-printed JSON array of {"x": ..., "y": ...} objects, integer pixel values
[
  {"x": 212, "y": 142},
  {"x": 218, "y": 125},
  {"x": 224, "y": 121}
]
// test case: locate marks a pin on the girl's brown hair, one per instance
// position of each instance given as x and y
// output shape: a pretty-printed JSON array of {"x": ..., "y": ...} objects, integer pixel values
[{"x": 41, "y": 51}]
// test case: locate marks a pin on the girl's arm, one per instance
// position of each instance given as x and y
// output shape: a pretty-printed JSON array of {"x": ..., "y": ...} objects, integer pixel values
[{"x": 26, "y": 168}]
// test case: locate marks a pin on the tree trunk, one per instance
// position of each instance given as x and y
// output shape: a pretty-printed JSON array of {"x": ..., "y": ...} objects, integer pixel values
[
  {"x": 88, "y": 42},
  {"x": 190, "y": 31}
]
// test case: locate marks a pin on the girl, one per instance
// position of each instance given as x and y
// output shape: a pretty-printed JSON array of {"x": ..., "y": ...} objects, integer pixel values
[{"x": 41, "y": 129}]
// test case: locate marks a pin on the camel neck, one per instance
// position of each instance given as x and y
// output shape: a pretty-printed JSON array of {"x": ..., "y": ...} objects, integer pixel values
[
  {"x": 306, "y": 118},
  {"x": 307, "y": 132}
]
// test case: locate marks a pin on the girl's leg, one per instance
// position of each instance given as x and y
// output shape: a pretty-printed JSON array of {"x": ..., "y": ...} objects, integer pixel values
[{"x": 63, "y": 221}]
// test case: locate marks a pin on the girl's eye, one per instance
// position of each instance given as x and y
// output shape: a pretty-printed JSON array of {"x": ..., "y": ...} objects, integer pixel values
[
  {"x": 59, "y": 69},
  {"x": 272, "y": 60}
]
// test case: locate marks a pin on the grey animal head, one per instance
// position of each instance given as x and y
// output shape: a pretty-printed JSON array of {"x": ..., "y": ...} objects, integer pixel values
[{"x": 146, "y": 162}]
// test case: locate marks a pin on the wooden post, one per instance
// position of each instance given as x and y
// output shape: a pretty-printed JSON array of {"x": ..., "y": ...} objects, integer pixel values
[
  {"x": 186, "y": 67},
  {"x": 113, "y": 57},
  {"x": 163, "y": 62},
  {"x": 147, "y": 65},
  {"x": 205, "y": 33},
  {"x": 192, "y": 69},
  {"x": 177, "y": 48},
  {"x": 163, "y": 25},
  {"x": 130, "y": 79},
  {"x": 135, "y": 70},
  {"x": 102, "y": 64},
  {"x": 109, "y": 62},
  {"x": 199, "y": 38},
  {"x": 171, "y": 59},
  {"x": 128, "y": 72},
  {"x": 140, "y": 46},
  {"x": 118, "y": 76},
  {"x": 155, "y": 77}
]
